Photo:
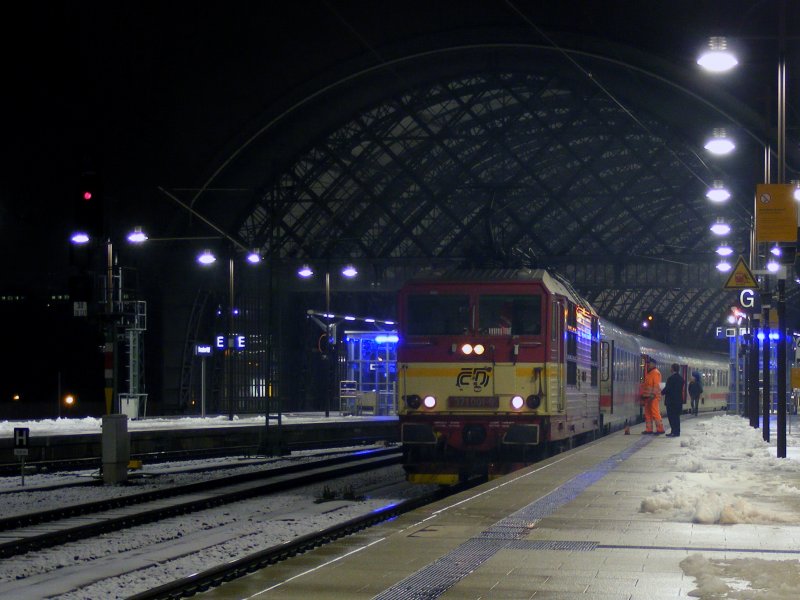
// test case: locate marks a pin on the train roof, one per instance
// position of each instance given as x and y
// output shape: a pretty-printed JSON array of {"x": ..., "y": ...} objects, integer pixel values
[
  {"x": 552, "y": 281},
  {"x": 650, "y": 346}
]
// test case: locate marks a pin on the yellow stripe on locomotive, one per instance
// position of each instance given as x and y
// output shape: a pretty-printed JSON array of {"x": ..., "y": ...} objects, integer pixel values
[{"x": 475, "y": 389}]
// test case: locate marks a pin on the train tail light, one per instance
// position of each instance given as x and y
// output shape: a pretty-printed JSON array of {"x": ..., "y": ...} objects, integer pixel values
[
  {"x": 429, "y": 401},
  {"x": 533, "y": 401},
  {"x": 517, "y": 402}
]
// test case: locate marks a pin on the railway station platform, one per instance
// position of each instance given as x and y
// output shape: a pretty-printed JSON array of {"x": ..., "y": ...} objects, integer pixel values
[
  {"x": 179, "y": 437},
  {"x": 710, "y": 514}
]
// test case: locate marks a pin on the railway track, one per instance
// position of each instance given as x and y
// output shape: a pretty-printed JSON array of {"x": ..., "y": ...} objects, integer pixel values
[
  {"x": 209, "y": 578},
  {"x": 88, "y": 479},
  {"x": 12, "y": 469},
  {"x": 36, "y": 530}
]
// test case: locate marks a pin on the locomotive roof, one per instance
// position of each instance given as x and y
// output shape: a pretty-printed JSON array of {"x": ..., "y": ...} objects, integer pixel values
[{"x": 551, "y": 281}]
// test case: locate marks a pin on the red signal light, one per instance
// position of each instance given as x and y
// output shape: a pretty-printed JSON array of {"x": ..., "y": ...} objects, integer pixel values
[{"x": 88, "y": 204}]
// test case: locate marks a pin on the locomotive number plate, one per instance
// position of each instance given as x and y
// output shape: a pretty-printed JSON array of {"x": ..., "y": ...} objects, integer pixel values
[{"x": 473, "y": 402}]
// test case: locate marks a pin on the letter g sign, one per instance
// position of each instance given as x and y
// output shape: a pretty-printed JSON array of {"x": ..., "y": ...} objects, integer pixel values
[
  {"x": 747, "y": 299},
  {"x": 750, "y": 301}
]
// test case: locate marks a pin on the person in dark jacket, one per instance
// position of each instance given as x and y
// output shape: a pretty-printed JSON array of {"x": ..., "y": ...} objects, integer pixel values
[
  {"x": 673, "y": 395},
  {"x": 695, "y": 389}
]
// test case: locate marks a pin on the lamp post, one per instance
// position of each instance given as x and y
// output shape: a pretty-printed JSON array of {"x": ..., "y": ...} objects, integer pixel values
[
  {"x": 111, "y": 316},
  {"x": 252, "y": 256},
  {"x": 207, "y": 258},
  {"x": 719, "y": 60},
  {"x": 348, "y": 271}
]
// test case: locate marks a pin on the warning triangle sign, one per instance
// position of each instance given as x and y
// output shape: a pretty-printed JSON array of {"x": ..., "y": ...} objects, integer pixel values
[{"x": 741, "y": 278}]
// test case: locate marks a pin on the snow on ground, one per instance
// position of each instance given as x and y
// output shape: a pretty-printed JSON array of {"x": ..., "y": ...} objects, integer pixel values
[
  {"x": 150, "y": 478},
  {"x": 722, "y": 454},
  {"x": 725, "y": 474},
  {"x": 67, "y": 426},
  {"x": 120, "y": 564}
]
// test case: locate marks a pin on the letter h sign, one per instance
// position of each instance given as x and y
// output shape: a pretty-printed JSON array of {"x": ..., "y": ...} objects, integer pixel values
[{"x": 21, "y": 435}]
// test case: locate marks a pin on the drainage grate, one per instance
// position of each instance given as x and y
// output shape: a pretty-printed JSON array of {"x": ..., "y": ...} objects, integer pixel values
[
  {"x": 441, "y": 575},
  {"x": 564, "y": 545},
  {"x": 436, "y": 578},
  {"x": 508, "y": 529}
]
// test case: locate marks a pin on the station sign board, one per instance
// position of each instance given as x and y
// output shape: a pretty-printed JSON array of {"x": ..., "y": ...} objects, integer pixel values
[
  {"x": 237, "y": 342},
  {"x": 749, "y": 301},
  {"x": 21, "y": 437},
  {"x": 776, "y": 213}
]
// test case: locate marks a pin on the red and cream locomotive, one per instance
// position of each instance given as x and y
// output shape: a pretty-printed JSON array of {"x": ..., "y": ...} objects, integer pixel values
[{"x": 499, "y": 368}]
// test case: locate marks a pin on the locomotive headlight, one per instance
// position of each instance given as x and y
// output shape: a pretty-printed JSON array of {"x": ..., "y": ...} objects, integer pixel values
[
  {"x": 533, "y": 401},
  {"x": 429, "y": 401},
  {"x": 517, "y": 402},
  {"x": 413, "y": 401},
  {"x": 479, "y": 349},
  {"x": 466, "y": 349}
]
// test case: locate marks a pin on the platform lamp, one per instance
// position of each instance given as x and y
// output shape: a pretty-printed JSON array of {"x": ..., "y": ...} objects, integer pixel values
[
  {"x": 349, "y": 272},
  {"x": 718, "y": 59},
  {"x": 207, "y": 258}
]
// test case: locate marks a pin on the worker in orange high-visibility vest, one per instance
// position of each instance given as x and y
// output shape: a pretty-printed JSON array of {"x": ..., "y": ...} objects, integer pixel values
[{"x": 651, "y": 398}]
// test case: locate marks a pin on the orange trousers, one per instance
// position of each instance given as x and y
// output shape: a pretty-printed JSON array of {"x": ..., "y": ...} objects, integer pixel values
[{"x": 652, "y": 413}]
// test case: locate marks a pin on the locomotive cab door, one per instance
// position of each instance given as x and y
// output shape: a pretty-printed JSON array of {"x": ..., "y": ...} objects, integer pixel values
[{"x": 557, "y": 330}]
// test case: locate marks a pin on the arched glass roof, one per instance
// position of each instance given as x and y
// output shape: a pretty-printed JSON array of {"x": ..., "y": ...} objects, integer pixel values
[{"x": 504, "y": 155}]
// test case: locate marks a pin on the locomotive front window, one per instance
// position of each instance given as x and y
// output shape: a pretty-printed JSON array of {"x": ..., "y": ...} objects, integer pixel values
[
  {"x": 437, "y": 314},
  {"x": 510, "y": 315}
]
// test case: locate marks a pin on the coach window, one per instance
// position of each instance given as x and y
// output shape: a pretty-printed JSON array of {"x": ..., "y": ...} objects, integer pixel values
[
  {"x": 572, "y": 343},
  {"x": 572, "y": 333},
  {"x": 572, "y": 372},
  {"x": 572, "y": 315},
  {"x": 510, "y": 314},
  {"x": 437, "y": 314}
]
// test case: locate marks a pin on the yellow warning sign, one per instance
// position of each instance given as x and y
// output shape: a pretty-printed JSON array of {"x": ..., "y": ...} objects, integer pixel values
[
  {"x": 741, "y": 278},
  {"x": 776, "y": 213}
]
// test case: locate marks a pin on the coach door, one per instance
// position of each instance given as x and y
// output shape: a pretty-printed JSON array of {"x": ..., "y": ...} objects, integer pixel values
[
  {"x": 556, "y": 368},
  {"x": 684, "y": 372},
  {"x": 607, "y": 376}
]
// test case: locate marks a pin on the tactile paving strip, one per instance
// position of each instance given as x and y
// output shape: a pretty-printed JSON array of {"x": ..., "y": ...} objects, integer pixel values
[{"x": 432, "y": 581}]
